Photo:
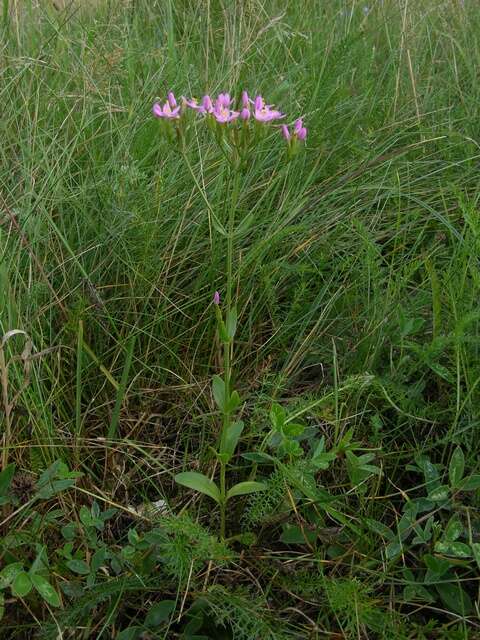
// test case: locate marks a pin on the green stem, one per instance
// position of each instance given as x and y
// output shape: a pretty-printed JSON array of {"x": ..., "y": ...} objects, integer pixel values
[
  {"x": 228, "y": 346},
  {"x": 223, "y": 503}
]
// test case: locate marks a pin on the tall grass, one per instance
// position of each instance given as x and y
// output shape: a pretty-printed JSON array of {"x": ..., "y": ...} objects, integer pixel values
[{"x": 358, "y": 281}]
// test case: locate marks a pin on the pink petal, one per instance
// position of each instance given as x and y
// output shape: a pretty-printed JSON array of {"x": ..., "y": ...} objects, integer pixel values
[
  {"x": 171, "y": 100},
  {"x": 285, "y": 132},
  {"x": 157, "y": 110}
]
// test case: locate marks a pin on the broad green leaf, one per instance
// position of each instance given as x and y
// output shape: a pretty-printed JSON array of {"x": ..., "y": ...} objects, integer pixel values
[
  {"x": 86, "y": 517},
  {"x": 319, "y": 448},
  {"x": 455, "y": 549},
  {"x": 78, "y": 566},
  {"x": 417, "y": 592},
  {"x": 393, "y": 549},
  {"x": 476, "y": 552},
  {"x": 46, "y": 590},
  {"x": 159, "y": 612},
  {"x": 232, "y": 322},
  {"x": 8, "y": 573},
  {"x": 6, "y": 477},
  {"x": 277, "y": 416},
  {"x": 379, "y": 528},
  {"x": 439, "y": 494},
  {"x": 455, "y": 598},
  {"x": 199, "y": 482},
  {"x": 293, "y": 430},
  {"x": 453, "y": 530},
  {"x": 130, "y": 633},
  {"x": 293, "y": 534},
  {"x": 219, "y": 393},
  {"x": 232, "y": 436},
  {"x": 243, "y": 488},
  {"x": 438, "y": 566},
  {"x": 233, "y": 402},
  {"x": 21, "y": 585},
  {"x": 456, "y": 467},
  {"x": 471, "y": 483}
]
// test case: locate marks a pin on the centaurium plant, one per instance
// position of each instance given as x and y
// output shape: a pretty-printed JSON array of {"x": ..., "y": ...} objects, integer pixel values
[{"x": 236, "y": 130}]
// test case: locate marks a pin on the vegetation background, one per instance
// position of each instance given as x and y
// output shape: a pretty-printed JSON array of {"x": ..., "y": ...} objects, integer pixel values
[{"x": 358, "y": 289}]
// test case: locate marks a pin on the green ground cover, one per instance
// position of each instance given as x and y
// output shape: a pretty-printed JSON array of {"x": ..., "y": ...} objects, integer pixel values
[{"x": 357, "y": 350}]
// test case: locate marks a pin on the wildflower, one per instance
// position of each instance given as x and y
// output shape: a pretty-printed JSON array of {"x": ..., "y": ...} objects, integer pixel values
[
  {"x": 245, "y": 112},
  {"x": 206, "y": 106},
  {"x": 169, "y": 111},
  {"x": 264, "y": 112},
  {"x": 221, "y": 111},
  {"x": 224, "y": 100},
  {"x": 286, "y": 132},
  {"x": 299, "y": 130},
  {"x": 216, "y": 298}
]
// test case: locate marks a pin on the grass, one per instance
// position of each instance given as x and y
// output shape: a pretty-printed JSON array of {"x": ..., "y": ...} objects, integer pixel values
[{"x": 357, "y": 283}]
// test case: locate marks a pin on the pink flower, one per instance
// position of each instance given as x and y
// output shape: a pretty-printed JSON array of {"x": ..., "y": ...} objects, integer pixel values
[
  {"x": 221, "y": 111},
  {"x": 245, "y": 114},
  {"x": 224, "y": 100},
  {"x": 264, "y": 112},
  {"x": 299, "y": 131},
  {"x": 169, "y": 111},
  {"x": 204, "y": 107},
  {"x": 285, "y": 132},
  {"x": 216, "y": 298},
  {"x": 245, "y": 100}
]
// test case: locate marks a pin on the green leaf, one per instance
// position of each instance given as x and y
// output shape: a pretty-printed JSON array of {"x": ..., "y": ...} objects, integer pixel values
[
  {"x": 439, "y": 494},
  {"x": 232, "y": 322},
  {"x": 277, "y": 417},
  {"x": 438, "y": 566},
  {"x": 78, "y": 566},
  {"x": 159, "y": 612},
  {"x": 319, "y": 449},
  {"x": 232, "y": 436},
  {"x": 199, "y": 482},
  {"x": 218, "y": 226},
  {"x": 8, "y": 573},
  {"x": 6, "y": 477},
  {"x": 86, "y": 517},
  {"x": 21, "y": 585},
  {"x": 219, "y": 392},
  {"x": 233, "y": 402},
  {"x": 453, "y": 530},
  {"x": 244, "y": 225},
  {"x": 293, "y": 534},
  {"x": 242, "y": 488},
  {"x": 455, "y": 598},
  {"x": 456, "y": 467},
  {"x": 393, "y": 549},
  {"x": 293, "y": 430},
  {"x": 46, "y": 590},
  {"x": 130, "y": 633},
  {"x": 471, "y": 483},
  {"x": 258, "y": 457},
  {"x": 455, "y": 549},
  {"x": 476, "y": 552},
  {"x": 379, "y": 528}
]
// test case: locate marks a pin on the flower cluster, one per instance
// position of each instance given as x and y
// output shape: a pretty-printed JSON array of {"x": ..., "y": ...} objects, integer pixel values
[{"x": 222, "y": 111}]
